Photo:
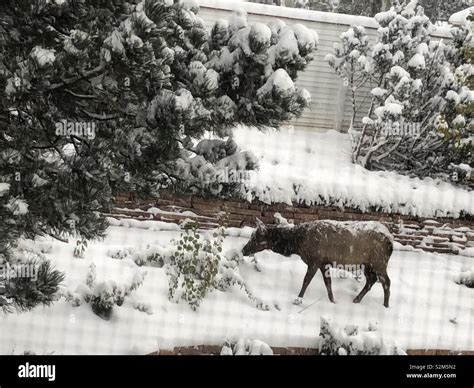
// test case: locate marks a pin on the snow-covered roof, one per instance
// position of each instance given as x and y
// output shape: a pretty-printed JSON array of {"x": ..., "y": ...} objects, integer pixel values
[
  {"x": 290, "y": 13},
  {"x": 301, "y": 14},
  {"x": 461, "y": 16}
]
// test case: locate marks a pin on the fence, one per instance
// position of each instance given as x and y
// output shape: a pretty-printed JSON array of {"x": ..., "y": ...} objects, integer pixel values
[{"x": 331, "y": 106}]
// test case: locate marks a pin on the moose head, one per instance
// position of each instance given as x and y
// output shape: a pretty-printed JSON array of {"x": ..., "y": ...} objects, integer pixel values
[{"x": 259, "y": 240}]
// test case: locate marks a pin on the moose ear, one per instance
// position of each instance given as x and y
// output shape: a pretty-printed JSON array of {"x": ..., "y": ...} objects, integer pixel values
[{"x": 260, "y": 224}]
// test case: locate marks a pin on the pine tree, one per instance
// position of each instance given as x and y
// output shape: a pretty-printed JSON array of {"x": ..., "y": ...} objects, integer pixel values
[{"x": 105, "y": 96}]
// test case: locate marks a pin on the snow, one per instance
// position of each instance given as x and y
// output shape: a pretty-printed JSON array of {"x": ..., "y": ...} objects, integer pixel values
[
  {"x": 384, "y": 17},
  {"x": 279, "y": 80},
  {"x": 155, "y": 210},
  {"x": 358, "y": 227},
  {"x": 43, "y": 57},
  {"x": 183, "y": 99},
  {"x": 287, "y": 46},
  {"x": 224, "y": 61},
  {"x": 422, "y": 49},
  {"x": 393, "y": 108},
  {"x": 354, "y": 340},
  {"x": 238, "y": 19},
  {"x": 4, "y": 188},
  {"x": 306, "y": 37},
  {"x": 114, "y": 41},
  {"x": 466, "y": 278},
  {"x": 306, "y": 95},
  {"x": 424, "y": 298},
  {"x": 38, "y": 181},
  {"x": 398, "y": 57},
  {"x": 453, "y": 96},
  {"x": 417, "y": 61},
  {"x": 399, "y": 72},
  {"x": 17, "y": 206},
  {"x": 379, "y": 92},
  {"x": 468, "y": 252},
  {"x": 261, "y": 32},
  {"x": 461, "y": 16},
  {"x": 315, "y": 168}
]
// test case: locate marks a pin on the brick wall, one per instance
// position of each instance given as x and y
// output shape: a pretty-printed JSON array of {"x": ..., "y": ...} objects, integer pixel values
[{"x": 442, "y": 235}]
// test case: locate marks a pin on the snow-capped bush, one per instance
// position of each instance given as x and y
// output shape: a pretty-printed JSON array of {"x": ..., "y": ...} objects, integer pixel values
[
  {"x": 43, "y": 57},
  {"x": 151, "y": 255},
  {"x": 80, "y": 248},
  {"x": 351, "y": 340},
  {"x": 466, "y": 278},
  {"x": 103, "y": 296},
  {"x": 419, "y": 118},
  {"x": 246, "y": 347}
]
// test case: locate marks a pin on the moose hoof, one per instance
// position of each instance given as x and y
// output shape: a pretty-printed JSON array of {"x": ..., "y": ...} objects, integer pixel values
[
  {"x": 356, "y": 300},
  {"x": 298, "y": 301},
  {"x": 386, "y": 305}
]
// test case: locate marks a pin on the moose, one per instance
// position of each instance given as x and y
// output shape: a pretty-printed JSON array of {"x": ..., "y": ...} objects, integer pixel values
[{"x": 323, "y": 244}]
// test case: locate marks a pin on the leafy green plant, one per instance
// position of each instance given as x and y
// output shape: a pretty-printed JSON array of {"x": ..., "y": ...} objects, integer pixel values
[
  {"x": 194, "y": 266},
  {"x": 198, "y": 266}
]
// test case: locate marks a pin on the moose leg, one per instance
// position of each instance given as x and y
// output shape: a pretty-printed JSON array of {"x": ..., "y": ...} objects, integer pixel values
[
  {"x": 385, "y": 280},
  {"x": 370, "y": 279},
  {"x": 327, "y": 282},
  {"x": 307, "y": 279}
]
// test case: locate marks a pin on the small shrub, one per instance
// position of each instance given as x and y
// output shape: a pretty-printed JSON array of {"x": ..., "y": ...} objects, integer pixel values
[
  {"x": 194, "y": 266},
  {"x": 80, "y": 248},
  {"x": 466, "y": 278},
  {"x": 143, "y": 307},
  {"x": 103, "y": 296},
  {"x": 246, "y": 347},
  {"x": 352, "y": 341},
  {"x": 198, "y": 266}
]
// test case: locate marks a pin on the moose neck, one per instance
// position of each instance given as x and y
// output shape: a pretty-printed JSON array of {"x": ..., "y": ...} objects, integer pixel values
[{"x": 285, "y": 241}]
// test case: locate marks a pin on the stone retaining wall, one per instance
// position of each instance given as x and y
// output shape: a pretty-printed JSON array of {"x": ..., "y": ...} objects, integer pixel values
[{"x": 442, "y": 235}]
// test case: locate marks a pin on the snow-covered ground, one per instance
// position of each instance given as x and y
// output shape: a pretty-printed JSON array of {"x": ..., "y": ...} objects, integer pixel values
[
  {"x": 316, "y": 168},
  {"x": 427, "y": 308}
]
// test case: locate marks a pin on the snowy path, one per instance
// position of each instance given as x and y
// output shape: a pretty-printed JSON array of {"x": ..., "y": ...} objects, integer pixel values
[{"x": 424, "y": 300}]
